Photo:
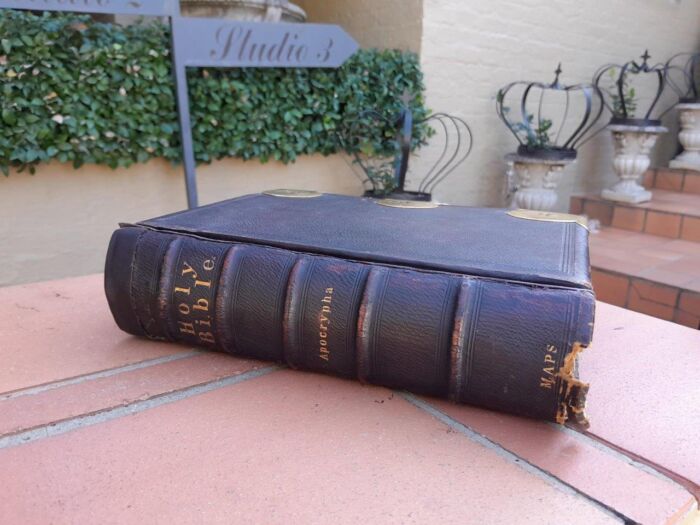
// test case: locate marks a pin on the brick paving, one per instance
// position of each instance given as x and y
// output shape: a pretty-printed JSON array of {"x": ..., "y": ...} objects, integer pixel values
[
  {"x": 648, "y": 274},
  {"x": 646, "y": 257},
  {"x": 111, "y": 428}
]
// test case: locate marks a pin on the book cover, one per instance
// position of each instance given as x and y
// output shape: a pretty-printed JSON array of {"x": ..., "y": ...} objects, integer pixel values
[{"x": 482, "y": 306}]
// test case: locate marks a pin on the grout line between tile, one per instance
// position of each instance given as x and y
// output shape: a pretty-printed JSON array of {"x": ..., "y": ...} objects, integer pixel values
[
  {"x": 511, "y": 457},
  {"x": 103, "y": 416},
  {"x": 591, "y": 440},
  {"x": 33, "y": 390}
]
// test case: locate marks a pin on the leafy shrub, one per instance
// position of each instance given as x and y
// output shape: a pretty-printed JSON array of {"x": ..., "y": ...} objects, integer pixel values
[{"x": 79, "y": 91}]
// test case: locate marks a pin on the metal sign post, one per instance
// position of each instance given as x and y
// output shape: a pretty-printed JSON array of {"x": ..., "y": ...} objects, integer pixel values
[{"x": 213, "y": 42}]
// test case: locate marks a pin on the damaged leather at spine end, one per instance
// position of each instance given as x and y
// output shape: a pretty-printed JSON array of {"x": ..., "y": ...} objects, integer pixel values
[
  {"x": 507, "y": 344},
  {"x": 572, "y": 392}
]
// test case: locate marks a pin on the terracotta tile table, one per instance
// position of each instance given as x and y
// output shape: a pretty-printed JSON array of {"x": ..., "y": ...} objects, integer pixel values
[{"x": 100, "y": 427}]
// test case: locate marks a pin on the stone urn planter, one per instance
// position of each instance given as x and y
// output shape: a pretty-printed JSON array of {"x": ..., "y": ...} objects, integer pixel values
[
  {"x": 550, "y": 121},
  {"x": 244, "y": 10},
  {"x": 632, "y": 147},
  {"x": 689, "y": 137},
  {"x": 537, "y": 179}
]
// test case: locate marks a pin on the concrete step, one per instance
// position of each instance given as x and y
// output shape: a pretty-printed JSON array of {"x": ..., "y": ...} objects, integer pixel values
[
  {"x": 646, "y": 273},
  {"x": 673, "y": 179},
  {"x": 669, "y": 214}
]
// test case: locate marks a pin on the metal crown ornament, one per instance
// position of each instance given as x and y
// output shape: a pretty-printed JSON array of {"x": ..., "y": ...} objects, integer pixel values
[
  {"x": 635, "y": 123},
  {"x": 550, "y": 122},
  {"x": 547, "y": 126},
  {"x": 621, "y": 98},
  {"x": 683, "y": 77},
  {"x": 384, "y": 174}
]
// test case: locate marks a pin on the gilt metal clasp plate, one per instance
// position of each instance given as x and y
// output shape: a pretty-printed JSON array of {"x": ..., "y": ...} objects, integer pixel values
[
  {"x": 399, "y": 203},
  {"x": 549, "y": 216},
  {"x": 293, "y": 194}
]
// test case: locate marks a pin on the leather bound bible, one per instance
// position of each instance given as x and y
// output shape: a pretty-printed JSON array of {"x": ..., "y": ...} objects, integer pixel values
[{"x": 481, "y": 306}]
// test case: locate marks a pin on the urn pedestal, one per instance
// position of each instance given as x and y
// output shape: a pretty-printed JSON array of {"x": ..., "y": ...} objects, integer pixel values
[
  {"x": 632, "y": 147},
  {"x": 536, "y": 180},
  {"x": 689, "y": 137}
]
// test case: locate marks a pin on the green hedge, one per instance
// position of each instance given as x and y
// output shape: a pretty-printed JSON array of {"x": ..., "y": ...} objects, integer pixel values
[{"x": 84, "y": 92}]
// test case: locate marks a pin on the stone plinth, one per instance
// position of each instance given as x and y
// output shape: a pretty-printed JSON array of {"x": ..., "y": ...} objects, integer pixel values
[
  {"x": 632, "y": 147},
  {"x": 537, "y": 181},
  {"x": 689, "y": 137}
]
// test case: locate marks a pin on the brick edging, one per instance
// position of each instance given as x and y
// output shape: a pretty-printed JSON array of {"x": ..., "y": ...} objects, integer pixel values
[{"x": 683, "y": 308}]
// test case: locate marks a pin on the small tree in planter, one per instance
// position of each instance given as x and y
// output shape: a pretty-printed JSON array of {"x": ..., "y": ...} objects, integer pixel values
[
  {"x": 634, "y": 131},
  {"x": 384, "y": 164},
  {"x": 546, "y": 144},
  {"x": 683, "y": 76}
]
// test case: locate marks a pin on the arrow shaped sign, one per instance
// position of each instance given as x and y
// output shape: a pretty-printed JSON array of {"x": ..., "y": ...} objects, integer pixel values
[{"x": 213, "y": 42}]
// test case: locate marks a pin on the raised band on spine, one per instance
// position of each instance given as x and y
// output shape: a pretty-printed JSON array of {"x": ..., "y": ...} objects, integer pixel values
[
  {"x": 464, "y": 329},
  {"x": 145, "y": 278},
  {"x": 370, "y": 308},
  {"x": 292, "y": 321},
  {"x": 165, "y": 286},
  {"x": 230, "y": 273}
]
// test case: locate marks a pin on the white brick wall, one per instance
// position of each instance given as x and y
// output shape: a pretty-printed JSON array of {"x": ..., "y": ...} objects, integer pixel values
[
  {"x": 373, "y": 23},
  {"x": 470, "y": 48}
]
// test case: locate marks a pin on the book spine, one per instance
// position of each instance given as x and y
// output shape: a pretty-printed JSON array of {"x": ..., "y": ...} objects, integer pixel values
[{"x": 500, "y": 345}]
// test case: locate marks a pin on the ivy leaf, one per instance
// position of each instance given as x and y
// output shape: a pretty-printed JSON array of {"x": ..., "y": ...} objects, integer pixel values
[
  {"x": 105, "y": 95},
  {"x": 9, "y": 117}
]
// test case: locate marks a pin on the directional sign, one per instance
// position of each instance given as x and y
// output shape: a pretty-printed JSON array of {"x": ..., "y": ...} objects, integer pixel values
[
  {"x": 117, "y": 7},
  {"x": 214, "y": 42}
]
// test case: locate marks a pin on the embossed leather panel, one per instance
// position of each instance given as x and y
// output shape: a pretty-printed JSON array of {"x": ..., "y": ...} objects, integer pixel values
[{"x": 475, "y": 241}]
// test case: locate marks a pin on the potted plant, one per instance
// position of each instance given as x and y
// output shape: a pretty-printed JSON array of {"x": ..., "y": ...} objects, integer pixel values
[
  {"x": 383, "y": 160},
  {"x": 546, "y": 145},
  {"x": 633, "y": 136}
]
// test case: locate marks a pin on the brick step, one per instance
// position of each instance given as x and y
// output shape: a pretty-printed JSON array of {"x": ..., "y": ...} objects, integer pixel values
[
  {"x": 646, "y": 273},
  {"x": 673, "y": 179},
  {"x": 669, "y": 214}
]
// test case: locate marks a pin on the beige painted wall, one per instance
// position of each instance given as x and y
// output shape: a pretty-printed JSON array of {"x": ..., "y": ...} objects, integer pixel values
[
  {"x": 471, "y": 48},
  {"x": 57, "y": 223},
  {"x": 373, "y": 23}
]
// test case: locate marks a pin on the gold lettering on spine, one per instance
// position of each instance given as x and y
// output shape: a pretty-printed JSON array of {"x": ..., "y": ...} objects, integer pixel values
[
  {"x": 200, "y": 328},
  {"x": 548, "y": 377},
  {"x": 186, "y": 268},
  {"x": 201, "y": 304},
  {"x": 206, "y": 337},
  {"x": 324, "y": 351},
  {"x": 186, "y": 328}
]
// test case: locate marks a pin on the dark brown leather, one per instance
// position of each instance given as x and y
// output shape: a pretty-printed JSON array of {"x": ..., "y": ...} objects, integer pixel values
[
  {"x": 474, "y": 241},
  {"x": 502, "y": 344}
]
